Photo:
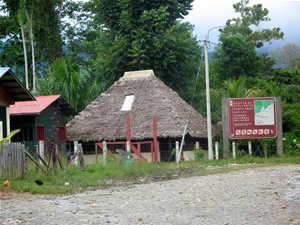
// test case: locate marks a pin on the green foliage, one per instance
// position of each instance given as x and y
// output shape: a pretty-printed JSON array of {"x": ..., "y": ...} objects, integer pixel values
[
  {"x": 252, "y": 16},
  {"x": 290, "y": 144},
  {"x": 199, "y": 153},
  {"x": 115, "y": 173},
  {"x": 146, "y": 35},
  {"x": 234, "y": 57},
  {"x": 77, "y": 88},
  {"x": 11, "y": 134}
]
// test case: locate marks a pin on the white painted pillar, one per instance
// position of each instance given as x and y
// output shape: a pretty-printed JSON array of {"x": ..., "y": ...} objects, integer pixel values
[
  {"x": 1, "y": 130},
  {"x": 41, "y": 150},
  {"x": 158, "y": 151},
  {"x": 76, "y": 162},
  {"x": 233, "y": 150},
  {"x": 104, "y": 153},
  {"x": 197, "y": 145},
  {"x": 217, "y": 150},
  {"x": 177, "y": 150},
  {"x": 128, "y": 148},
  {"x": 250, "y": 148},
  {"x": 7, "y": 121}
]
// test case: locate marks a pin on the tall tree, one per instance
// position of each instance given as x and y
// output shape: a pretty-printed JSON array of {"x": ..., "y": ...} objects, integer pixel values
[
  {"x": 252, "y": 17},
  {"x": 146, "y": 34},
  {"x": 43, "y": 20},
  {"x": 237, "y": 52}
]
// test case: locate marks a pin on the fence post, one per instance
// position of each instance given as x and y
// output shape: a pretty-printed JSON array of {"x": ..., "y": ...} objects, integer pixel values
[
  {"x": 41, "y": 151},
  {"x": 128, "y": 149},
  {"x": 233, "y": 150},
  {"x": 81, "y": 157},
  {"x": 96, "y": 153},
  {"x": 250, "y": 148},
  {"x": 217, "y": 150},
  {"x": 177, "y": 150},
  {"x": 75, "y": 153},
  {"x": 55, "y": 159},
  {"x": 158, "y": 151},
  {"x": 36, "y": 150},
  {"x": 104, "y": 153}
]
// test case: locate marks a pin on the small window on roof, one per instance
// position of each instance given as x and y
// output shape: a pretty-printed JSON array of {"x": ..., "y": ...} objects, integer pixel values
[{"x": 127, "y": 103}]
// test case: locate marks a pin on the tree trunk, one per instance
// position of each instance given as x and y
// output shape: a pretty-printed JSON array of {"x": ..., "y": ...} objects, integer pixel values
[
  {"x": 25, "y": 57},
  {"x": 32, "y": 53},
  {"x": 29, "y": 19}
]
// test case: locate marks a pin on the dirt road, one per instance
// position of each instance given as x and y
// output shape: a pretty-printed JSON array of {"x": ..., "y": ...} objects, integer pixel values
[{"x": 267, "y": 195}]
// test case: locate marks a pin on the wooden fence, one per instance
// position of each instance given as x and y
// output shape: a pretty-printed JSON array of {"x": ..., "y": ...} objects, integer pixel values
[{"x": 12, "y": 160}]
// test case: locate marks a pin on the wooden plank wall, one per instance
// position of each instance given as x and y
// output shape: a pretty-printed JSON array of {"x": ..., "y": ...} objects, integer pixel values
[{"x": 12, "y": 160}]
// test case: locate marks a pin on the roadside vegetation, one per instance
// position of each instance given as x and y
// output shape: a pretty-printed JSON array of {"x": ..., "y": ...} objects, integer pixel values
[{"x": 118, "y": 174}]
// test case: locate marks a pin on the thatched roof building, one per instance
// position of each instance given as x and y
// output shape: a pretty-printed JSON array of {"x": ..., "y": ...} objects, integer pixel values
[{"x": 141, "y": 95}]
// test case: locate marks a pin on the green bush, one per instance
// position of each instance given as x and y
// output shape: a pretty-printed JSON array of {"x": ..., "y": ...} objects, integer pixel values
[
  {"x": 199, "y": 153},
  {"x": 290, "y": 144}
]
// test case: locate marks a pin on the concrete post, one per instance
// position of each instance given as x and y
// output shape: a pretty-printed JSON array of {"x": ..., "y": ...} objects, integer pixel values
[
  {"x": 177, "y": 150},
  {"x": 76, "y": 162},
  {"x": 233, "y": 150},
  {"x": 197, "y": 145},
  {"x": 104, "y": 153},
  {"x": 128, "y": 148},
  {"x": 217, "y": 150},
  {"x": 7, "y": 121},
  {"x": 41, "y": 151},
  {"x": 158, "y": 151},
  {"x": 250, "y": 148},
  {"x": 1, "y": 129}
]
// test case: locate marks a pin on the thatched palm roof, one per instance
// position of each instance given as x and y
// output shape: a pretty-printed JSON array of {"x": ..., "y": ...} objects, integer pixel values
[{"x": 104, "y": 120}]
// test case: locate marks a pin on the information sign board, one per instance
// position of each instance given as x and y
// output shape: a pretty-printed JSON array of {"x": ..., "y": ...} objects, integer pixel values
[{"x": 252, "y": 118}]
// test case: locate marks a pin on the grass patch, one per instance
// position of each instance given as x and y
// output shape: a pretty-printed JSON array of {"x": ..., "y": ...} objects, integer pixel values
[{"x": 118, "y": 173}]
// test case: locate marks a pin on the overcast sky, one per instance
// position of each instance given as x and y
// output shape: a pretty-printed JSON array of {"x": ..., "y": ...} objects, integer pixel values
[{"x": 211, "y": 13}]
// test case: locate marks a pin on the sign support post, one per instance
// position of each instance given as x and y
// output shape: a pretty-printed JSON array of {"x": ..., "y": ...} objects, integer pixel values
[
  {"x": 279, "y": 127},
  {"x": 225, "y": 128}
]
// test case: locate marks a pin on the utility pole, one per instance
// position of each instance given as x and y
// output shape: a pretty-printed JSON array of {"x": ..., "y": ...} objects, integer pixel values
[{"x": 209, "y": 136}]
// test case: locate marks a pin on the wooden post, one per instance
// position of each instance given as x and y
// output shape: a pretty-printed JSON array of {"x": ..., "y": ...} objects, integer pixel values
[
  {"x": 266, "y": 150},
  {"x": 155, "y": 139},
  {"x": 75, "y": 153},
  {"x": 128, "y": 128},
  {"x": 250, "y": 148},
  {"x": 217, "y": 150},
  {"x": 279, "y": 126},
  {"x": 55, "y": 154},
  {"x": 41, "y": 151},
  {"x": 197, "y": 145},
  {"x": 177, "y": 150},
  {"x": 233, "y": 150},
  {"x": 81, "y": 157},
  {"x": 96, "y": 153},
  {"x": 225, "y": 127},
  {"x": 36, "y": 149},
  {"x": 104, "y": 153}
]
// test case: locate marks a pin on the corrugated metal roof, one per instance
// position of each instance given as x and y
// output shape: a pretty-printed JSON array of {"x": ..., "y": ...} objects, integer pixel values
[
  {"x": 13, "y": 86},
  {"x": 3, "y": 70},
  {"x": 32, "y": 107}
]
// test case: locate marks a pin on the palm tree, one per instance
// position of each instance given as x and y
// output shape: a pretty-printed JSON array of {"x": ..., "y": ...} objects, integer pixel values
[
  {"x": 237, "y": 89},
  {"x": 77, "y": 88}
]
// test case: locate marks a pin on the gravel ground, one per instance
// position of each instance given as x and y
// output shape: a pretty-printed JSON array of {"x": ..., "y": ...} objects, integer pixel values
[{"x": 266, "y": 195}]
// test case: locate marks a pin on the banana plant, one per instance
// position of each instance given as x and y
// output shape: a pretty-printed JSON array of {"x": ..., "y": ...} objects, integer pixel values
[{"x": 9, "y": 137}]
